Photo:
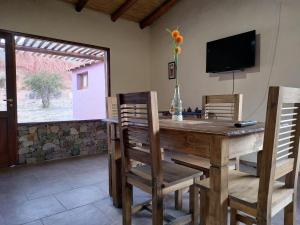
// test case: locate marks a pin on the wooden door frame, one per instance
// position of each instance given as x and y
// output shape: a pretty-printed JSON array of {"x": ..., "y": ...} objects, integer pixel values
[
  {"x": 11, "y": 91},
  {"x": 11, "y": 68}
]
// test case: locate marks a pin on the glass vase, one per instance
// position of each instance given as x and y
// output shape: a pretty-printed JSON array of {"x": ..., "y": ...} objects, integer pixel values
[{"x": 176, "y": 105}]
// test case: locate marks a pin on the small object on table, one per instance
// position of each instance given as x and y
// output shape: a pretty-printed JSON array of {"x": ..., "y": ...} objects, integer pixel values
[
  {"x": 245, "y": 123},
  {"x": 189, "y": 109},
  {"x": 198, "y": 111}
]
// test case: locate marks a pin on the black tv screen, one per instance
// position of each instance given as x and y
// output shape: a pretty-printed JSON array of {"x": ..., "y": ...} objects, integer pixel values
[{"x": 232, "y": 53}]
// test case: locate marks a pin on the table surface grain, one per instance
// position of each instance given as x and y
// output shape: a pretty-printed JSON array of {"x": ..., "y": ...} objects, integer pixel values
[{"x": 218, "y": 127}]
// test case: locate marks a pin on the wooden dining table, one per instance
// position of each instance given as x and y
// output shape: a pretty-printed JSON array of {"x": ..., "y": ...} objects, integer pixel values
[{"x": 216, "y": 140}]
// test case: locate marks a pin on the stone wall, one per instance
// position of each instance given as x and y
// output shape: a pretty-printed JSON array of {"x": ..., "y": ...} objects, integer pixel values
[{"x": 39, "y": 142}]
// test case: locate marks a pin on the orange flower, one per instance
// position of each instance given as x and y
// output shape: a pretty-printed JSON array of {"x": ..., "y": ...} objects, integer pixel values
[
  {"x": 179, "y": 39},
  {"x": 175, "y": 34},
  {"x": 178, "y": 50}
]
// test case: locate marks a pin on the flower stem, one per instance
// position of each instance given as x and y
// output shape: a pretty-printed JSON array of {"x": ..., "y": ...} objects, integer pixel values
[{"x": 176, "y": 68}]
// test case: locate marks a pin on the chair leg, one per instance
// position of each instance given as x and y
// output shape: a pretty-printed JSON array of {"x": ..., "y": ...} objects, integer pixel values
[
  {"x": 290, "y": 214},
  {"x": 178, "y": 199},
  {"x": 237, "y": 163},
  {"x": 157, "y": 207},
  {"x": 204, "y": 206},
  {"x": 127, "y": 202},
  {"x": 194, "y": 204},
  {"x": 233, "y": 217},
  {"x": 263, "y": 220},
  {"x": 258, "y": 165}
]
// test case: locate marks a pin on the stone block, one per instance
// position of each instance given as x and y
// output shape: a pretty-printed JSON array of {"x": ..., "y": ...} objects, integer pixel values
[
  {"x": 73, "y": 131},
  {"x": 32, "y": 130},
  {"x": 27, "y": 143},
  {"x": 75, "y": 150},
  {"x": 42, "y": 132},
  {"x": 22, "y": 159},
  {"x": 32, "y": 137},
  {"x": 54, "y": 129},
  {"x": 24, "y": 150},
  {"x": 31, "y": 160},
  {"x": 50, "y": 147},
  {"x": 83, "y": 128}
]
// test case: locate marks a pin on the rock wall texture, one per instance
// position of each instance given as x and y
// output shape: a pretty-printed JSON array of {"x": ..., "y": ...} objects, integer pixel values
[{"x": 39, "y": 142}]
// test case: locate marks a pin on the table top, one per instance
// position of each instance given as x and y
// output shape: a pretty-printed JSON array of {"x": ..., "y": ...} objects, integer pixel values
[{"x": 217, "y": 127}]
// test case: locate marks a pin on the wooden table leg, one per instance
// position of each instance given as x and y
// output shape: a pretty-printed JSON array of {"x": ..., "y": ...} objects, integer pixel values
[
  {"x": 218, "y": 195},
  {"x": 116, "y": 163}
]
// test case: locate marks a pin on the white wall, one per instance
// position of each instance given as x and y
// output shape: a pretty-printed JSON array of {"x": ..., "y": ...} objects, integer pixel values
[
  {"x": 89, "y": 103},
  {"x": 130, "y": 52},
  {"x": 204, "y": 20}
]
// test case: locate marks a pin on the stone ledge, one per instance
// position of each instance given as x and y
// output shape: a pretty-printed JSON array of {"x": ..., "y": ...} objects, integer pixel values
[
  {"x": 40, "y": 142},
  {"x": 65, "y": 121}
]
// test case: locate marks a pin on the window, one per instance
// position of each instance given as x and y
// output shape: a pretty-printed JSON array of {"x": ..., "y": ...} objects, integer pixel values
[
  {"x": 62, "y": 82},
  {"x": 82, "y": 81}
]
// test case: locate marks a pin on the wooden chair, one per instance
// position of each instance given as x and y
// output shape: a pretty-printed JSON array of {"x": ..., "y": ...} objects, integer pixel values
[
  {"x": 139, "y": 134},
  {"x": 224, "y": 107},
  {"x": 111, "y": 112},
  {"x": 255, "y": 200}
]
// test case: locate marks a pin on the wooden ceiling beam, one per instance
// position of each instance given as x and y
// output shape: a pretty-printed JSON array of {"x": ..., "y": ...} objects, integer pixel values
[
  {"x": 122, "y": 9},
  {"x": 80, "y": 5},
  {"x": 161, "y": 10}
]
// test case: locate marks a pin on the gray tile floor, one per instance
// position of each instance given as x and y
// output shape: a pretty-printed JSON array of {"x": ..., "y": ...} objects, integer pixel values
[{"x": 69, "y": 192}]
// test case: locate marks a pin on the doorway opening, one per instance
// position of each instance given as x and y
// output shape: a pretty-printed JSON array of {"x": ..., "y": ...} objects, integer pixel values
[{"x": 56, "y": 98}]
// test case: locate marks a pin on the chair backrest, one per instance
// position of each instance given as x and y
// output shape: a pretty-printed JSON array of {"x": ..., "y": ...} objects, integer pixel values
[
  {"x": 139, "y": 132},
  {"x": 225, "y": 107},
  {"x": 111, "y": 107},
  {"x": 281, "y": 144}
]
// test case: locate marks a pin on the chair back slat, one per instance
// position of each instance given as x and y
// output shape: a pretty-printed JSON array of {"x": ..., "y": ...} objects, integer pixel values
[
  {"x": 111, "y": 107},
  {"x": 281, "y": 143},
  {"x": 225, "y": 107},
  {"x": 139, "y": 131},
  {"x": 287, "y": 130}
]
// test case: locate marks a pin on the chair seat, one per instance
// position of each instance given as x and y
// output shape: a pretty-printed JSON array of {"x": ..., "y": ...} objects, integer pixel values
[
  {"x": 173, "y": 175},
  {"x": 196, "y": 162},
  {"x": 243, "y": 190}
]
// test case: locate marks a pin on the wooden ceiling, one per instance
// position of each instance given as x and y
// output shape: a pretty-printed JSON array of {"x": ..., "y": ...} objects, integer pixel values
[{"x": 144, "y": 12}]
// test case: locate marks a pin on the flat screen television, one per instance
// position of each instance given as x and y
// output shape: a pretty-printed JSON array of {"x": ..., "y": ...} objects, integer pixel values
[{"x": 232, "y": 53}]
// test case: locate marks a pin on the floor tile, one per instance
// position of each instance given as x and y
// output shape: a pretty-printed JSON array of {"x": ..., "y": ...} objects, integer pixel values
[
  {"x": 17, "y": 182},
  {"x": 80, "y": 196},
  {"x": 2, "y": 222},
  {"x": 46, "y": 188},
  {"x": 30, "y": 210},
  {"x": 86, "y": 178},
  {"x": 12, "y": 198},
  {"x": 85, "y": 215},
  {"x": 49, "y": 171},
  {"x": 38, "y": 222},
  {"x": 112, "y": 213},
  {"x": 77, "y": 194}
]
